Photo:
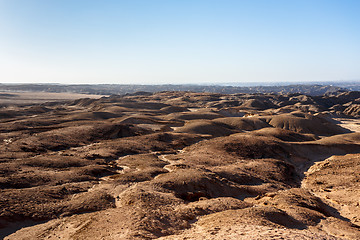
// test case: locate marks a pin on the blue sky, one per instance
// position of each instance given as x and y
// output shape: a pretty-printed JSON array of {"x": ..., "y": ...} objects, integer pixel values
[{"x": 178, "y": 41}]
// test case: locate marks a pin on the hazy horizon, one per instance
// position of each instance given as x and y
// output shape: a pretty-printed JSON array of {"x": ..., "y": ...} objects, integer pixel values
[{"x": 178, "y": 42}]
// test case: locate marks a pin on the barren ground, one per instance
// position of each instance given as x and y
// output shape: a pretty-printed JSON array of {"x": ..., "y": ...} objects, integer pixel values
[
  {"x": 180, "y": 165},
  {"x": 7, "y": 98}
]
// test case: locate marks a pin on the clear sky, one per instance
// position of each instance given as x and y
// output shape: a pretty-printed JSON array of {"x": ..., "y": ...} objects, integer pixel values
[{"x": 178, "y": 41}]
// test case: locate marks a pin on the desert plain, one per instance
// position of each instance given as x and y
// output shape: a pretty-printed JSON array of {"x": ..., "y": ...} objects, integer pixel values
[{"x": 180, "y": 165}]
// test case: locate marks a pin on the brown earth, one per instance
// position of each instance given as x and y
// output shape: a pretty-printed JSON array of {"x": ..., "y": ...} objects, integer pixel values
[{"x": 181, "y": 165}]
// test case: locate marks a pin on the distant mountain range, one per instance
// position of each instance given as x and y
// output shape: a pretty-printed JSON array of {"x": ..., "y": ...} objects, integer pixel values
[{"x": 121, "y": 89}]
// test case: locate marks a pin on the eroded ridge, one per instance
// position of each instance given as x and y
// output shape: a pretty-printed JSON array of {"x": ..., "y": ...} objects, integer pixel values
[{"x": 182, "y": 165}]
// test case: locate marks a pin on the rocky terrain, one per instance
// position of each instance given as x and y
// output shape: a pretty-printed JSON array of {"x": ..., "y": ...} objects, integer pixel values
[{"x": 182, "y": 165}]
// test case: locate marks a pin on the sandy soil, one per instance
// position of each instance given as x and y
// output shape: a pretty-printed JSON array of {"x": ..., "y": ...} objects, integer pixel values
[
  {"x": 351, "y": 124},
  {"x": 40, "y": 97}
]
